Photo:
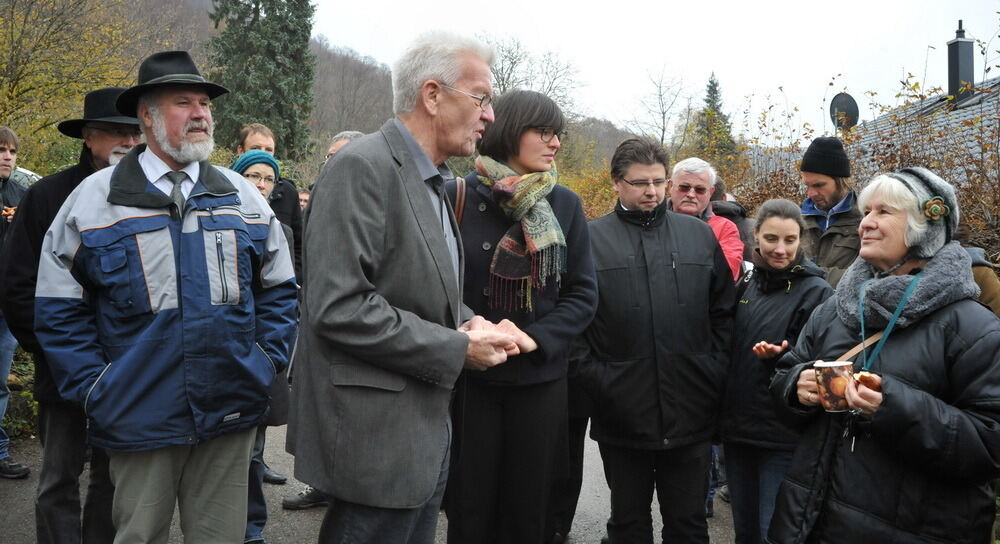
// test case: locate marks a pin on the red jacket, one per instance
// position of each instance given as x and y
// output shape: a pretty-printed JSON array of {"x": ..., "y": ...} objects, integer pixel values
[{"x": 729, "y": 238}]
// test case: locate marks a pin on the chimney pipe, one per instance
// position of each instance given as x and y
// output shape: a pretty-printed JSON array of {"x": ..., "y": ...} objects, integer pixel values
[{"x": 960, "y": 65}]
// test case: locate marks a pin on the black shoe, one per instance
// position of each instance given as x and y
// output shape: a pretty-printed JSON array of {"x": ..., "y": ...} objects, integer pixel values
[
  {"x": 709, "y": 508},
  {"x": 307, "y": 498},
  {"x": 13, "y": 471},
  {"x": 605, "y": 539},
  {"x": 272, "y": 477},
  {"x": 557, "y": 538}
]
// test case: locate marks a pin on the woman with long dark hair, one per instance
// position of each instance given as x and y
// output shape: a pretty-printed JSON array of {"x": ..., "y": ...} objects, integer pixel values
[
  {"x": 776, "y": 299},
  {"x": 527, "y": 261}
]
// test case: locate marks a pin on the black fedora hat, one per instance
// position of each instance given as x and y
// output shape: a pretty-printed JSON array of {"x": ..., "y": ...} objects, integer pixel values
[
  {"x": 99, "y": 106},
  {"x": 163, "y": 69}
]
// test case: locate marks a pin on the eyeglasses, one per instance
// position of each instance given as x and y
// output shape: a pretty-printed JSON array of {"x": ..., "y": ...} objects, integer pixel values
[
  {"x": 118, "y": 132},
  {"x": 685, "y": 189},
  {"x": 485, "y": 100},
  {"x": 255, "y": 177},
  {"x": 547, "y": 133},
  {"x": 643, "y": 183}
]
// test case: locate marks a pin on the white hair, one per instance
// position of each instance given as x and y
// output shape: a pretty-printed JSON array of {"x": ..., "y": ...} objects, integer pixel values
[
  {"x": 694, "y": 165},
  {"x": 188, "y": 152},
  {"x": 346, "y": 135},
  {"x": 896, "y": 194},
  {"x": 433, "y": 55}
]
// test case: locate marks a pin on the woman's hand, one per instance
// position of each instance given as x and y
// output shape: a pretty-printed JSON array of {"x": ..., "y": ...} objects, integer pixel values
[
  {"x": 862, "y": 399},
  {"x": 806, "y": 387},
  {"x": 525, "y": 343},
  {"x": 765, "y": 350}
]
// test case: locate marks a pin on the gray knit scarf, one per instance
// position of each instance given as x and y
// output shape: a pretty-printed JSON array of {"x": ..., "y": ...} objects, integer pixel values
[{"x": 947, "y": 278}]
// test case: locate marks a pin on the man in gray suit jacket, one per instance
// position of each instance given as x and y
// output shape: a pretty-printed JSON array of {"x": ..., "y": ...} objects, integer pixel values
[{"x": 383, "y": 333}]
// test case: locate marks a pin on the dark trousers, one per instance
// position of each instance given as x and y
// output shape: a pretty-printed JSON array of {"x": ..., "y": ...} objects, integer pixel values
[
  {"x": 62, "y": 429},
  {"x": 351, "y": 523},
  {"x": 569, "y": 468},
  {"x": 754, "y": 477},
  {"x": 502, "y": 474},
  {"x": 256, "y": 505},
  {"x": 678, "y": 476}
]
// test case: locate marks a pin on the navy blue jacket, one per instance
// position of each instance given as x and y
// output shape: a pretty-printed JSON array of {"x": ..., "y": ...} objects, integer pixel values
[{"x": 561, "y": 311}]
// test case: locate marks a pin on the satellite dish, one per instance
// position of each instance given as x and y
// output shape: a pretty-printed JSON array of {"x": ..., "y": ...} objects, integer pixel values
[{"x": 844, "y": 111}]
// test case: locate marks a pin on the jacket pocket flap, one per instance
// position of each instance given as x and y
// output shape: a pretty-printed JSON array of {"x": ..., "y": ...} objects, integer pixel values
[
  {"x": 105, "y": 236},
  {"x": 113, "y": 260},
  {"x": 227, "y": 220},
  {"x": 366, "y": 376}
]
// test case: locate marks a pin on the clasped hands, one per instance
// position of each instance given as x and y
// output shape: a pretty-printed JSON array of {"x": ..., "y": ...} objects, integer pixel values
[{"x": 491, "y": 343}]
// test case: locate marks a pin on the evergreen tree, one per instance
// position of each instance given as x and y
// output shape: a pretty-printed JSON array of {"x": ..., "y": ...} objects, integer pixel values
[
  {"x": 262, "y": 56},
  {"x": 714, "y": 133}
]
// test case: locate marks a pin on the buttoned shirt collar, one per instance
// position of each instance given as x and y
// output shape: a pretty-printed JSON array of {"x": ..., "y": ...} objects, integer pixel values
[{"x": 156, "y": 172}]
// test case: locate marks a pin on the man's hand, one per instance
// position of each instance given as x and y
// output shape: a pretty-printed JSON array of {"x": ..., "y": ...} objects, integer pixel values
[
  {"x": 477, "y": 323},
  {"x": 525, "y": 343},
  {"x": 487, "y": 348}
]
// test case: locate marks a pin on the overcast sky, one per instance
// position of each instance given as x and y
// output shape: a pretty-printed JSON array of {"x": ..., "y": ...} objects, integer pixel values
[{"x": 753, "y": 47}]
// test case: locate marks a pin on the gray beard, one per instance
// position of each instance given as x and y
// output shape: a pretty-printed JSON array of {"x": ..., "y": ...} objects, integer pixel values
[
  {"x": 189, "y": 151},
  {"x": 114, "y": 158}
]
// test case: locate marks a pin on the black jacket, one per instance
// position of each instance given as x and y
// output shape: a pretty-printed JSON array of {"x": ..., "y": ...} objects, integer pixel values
[
  {"x": 560, "y": 311},
  {"x": 735, "y": 212},
  {"x": 775, "y": 306},
  {"x": 919, "y": 469},
  {"x": 19, "y": 265},
  {"x": 284, "y": 201},
  {"x": 659, "y": 341},
  {"x": 11, "y": 193}
]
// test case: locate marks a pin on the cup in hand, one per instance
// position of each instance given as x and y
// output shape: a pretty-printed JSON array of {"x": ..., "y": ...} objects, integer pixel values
[{"x": 831, "y": 380}]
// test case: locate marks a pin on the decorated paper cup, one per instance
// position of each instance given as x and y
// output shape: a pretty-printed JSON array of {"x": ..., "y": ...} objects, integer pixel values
[{"x": 831, "y": 379}]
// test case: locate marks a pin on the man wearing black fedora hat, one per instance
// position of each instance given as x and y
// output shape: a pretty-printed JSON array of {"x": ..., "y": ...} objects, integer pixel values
[
  {"x": 107, "y": 136},
  {"x": 165, "y": 306}
]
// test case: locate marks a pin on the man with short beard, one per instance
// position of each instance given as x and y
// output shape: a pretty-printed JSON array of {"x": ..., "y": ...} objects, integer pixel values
[
  {"x": 165, "y": 305},
  {"x": 107, "y": 136}
]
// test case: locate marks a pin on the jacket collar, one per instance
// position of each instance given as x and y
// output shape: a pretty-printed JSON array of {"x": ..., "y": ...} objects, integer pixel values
[{"x": 129, "y": 186}]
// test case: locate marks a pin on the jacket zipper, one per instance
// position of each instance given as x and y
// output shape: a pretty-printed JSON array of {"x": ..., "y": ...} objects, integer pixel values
[
  {"x": 273, "y": 368},
  {"x": 240, "y": 211},
  {"x": 86, "y": 400},
  {"x": 222, "y": 267}
]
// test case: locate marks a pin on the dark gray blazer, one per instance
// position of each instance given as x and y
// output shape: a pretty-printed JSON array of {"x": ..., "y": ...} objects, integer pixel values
[{"x": 378, "y": 351}]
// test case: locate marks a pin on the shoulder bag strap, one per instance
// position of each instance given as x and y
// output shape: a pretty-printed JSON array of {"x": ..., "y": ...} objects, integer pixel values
[
  {"x": 857, "y": 349},
  {"x": 459, "y": 199}
]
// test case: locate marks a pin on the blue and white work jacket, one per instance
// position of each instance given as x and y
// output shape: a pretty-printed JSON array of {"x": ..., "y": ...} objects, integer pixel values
[{"x": 166, "y": 327}]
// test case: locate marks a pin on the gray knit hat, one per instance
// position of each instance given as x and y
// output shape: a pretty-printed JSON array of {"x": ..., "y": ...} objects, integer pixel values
[{"x": 939, "y": 205}]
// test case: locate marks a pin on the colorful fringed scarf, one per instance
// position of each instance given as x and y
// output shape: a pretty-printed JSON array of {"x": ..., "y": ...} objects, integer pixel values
[{"x": 534, "y": 247}]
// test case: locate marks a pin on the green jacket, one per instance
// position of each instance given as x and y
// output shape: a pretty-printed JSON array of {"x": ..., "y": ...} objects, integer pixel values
[{"x": 835, "y": 249}]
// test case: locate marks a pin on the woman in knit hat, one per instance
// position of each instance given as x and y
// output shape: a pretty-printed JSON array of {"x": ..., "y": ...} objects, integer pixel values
[
  {"x": 261, "y": 169},
  {"x": 830, "y": 209},
  {"x": 912, "y": 459}
]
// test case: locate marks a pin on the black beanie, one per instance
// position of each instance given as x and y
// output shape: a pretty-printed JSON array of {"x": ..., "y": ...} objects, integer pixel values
[{"x": 826, "y": 156}]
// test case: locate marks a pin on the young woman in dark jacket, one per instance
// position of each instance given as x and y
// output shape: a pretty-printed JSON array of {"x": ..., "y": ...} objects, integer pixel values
[
  {"x": 527, "y": 260},
  {"x": 778, "y": 296},
  {"x": 913, "y": 458}
]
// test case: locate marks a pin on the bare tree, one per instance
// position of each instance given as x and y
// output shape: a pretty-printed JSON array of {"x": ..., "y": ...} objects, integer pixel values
[
  {"x": 658, "y": 108},
  {"x": 351, "y": 92},
  {"x": 517, "y": 68}
]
